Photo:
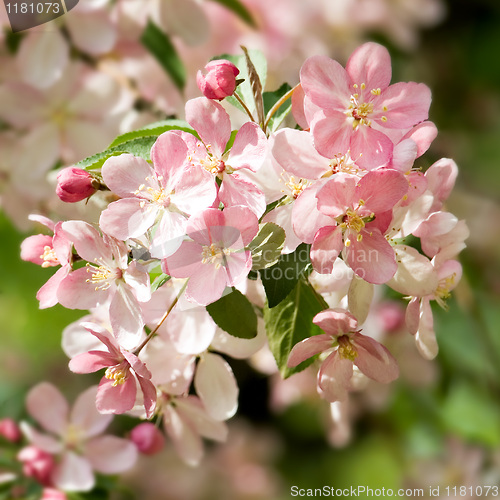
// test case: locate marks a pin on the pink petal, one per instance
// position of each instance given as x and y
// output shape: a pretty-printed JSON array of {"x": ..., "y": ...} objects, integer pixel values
[
  {"x": 412, "y": 315},
  {"x": 73, "y": 473},
  {"x": 249, "y": 148},
  {"x": 92, "y": 32},
  {"x": 169, "y": 234},
  {"x": 381, "y": 189},
  {"x": 326, "y": 248},
  {"x": 244, "y": 221},
  {"x": 137, "y": 277},
  {"x": 407, "y": 104},
  {"x": 74, "y": 292},
  {"x": 197, "y": 289},
  {"x": 87, "y": 241},
  {"x": 118, "y": 399},
  {"x": 185, "y": 262},
  {"x": 148, "y": 395},
  {"x": 92, "y": 361},
  {"x": 48, "y": 407},
  {"x": 124, "y": 174},
  {"x": 111, "y": 454},
  {"x": 216, "y": 386},
  {"x": 334, "y": 377},
  {"x": 32, "y": 248},
  {"x": 195, "y": 190},
  {"x": 295, "y": 152},
  {"x": 126, "y": 218},
  {"x": 237, "y": 191},
  {"x": 372, "y": 258},
  {"x": 370, "y": 148},
  {"x": 22, "y": 105},
  {"x": 370, "y": 64},
  {"x": 374, "y": 360},
  {"x": 422, "y": 134},
  {"x": 211, "y": 122},
  {"x": 306, "y": 218},
  {"x": 332, "y": 133},
  {"x": 85, "y": 416},
  {"x": 169, "y": 156},
  {"x": 42, "y": 441},
  {"x": 441, "y": 178},
  {"x": 338, "y": 194},
  {"x": 309, "y": 347},
  {"x": 325, "y": 82},
  {"x": 335, "y": 322},
  {"x": 298, "y": 107}
]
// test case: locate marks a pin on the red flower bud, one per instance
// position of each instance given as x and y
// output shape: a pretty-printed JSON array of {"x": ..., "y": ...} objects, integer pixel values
[
  {"x": 10, "y": 430},
  {"x": 148, "y": 438},
  {"x": 37, "y": 464},
  {"x": 220, "y": 80},
  {"x": 74, "y": 184}
]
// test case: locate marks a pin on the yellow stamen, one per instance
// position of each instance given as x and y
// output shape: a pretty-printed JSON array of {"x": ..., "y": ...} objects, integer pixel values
[{"x": 346, "y": 350}]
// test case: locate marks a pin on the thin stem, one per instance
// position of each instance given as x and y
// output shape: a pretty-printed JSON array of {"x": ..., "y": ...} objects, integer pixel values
[
  {"x": 275, "y": 108},
  {"x": 164, "y": 317},
  {"x": 248, "y": 112}
]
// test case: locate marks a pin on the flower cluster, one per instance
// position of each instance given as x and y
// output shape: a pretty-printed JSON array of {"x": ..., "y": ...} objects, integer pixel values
[{"x": 182, "y": 270}]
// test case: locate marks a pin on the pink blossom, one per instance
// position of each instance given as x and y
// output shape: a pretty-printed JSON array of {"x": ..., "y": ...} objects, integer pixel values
[
  {"x": 10, "y": 430},
  {"x": 52, "y": 494},
  {"x": 216, "y": 253},
  {"x": 107, "y": 276},
  {"x": 75, "y": 438},
  {"x": 117, "y": 391},
  {"x": 148, "y": 438},
  {"x": 37, "y": 464},
  {"x": 350, "y": 347},
  {"x": 360, "y": 214},
  {"x": 349, "y": 110},
  {"x": 220, "y": 80},
  {"x": 74, "y": 184},
  {"x": 48, "y": 251},
  {"x": 248, "y": 152},
  {"x": 163, "y": 196}
]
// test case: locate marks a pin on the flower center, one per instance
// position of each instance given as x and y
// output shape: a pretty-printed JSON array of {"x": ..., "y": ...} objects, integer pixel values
[
  {"x": 295, "y": 187},
  {"x": 346, "y": 350},
  {"x": 49, "y": 257},
  {"x": 159, "y": 196},
  {"x": 213, "y": 254},
  {"x": 102, "y": 275},
  {"x": 352, "y": 220},
  {"x": 344, "y": 164},
  {"x": 118, "y": 373},
  {"x": 73, "y": 436},
  {"x": 213, "y": 165},
  {"x": 442, "y": 292}
]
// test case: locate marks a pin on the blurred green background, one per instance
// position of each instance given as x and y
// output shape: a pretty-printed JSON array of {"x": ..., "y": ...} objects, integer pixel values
[{"x": 444, "y": 432}]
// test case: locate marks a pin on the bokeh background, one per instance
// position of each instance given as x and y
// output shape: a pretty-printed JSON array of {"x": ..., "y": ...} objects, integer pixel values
[{"x": 439, "y": 424}]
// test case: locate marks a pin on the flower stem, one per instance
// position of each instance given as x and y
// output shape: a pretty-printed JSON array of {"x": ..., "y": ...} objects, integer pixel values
[
  {"x": 248, "y": 112},
  {"x": 277, "y": 105},
  {"x": 164, "y": 317}
]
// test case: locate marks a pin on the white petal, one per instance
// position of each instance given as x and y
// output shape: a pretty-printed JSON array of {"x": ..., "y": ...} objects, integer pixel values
[
  {"x": 360, "y": 297},
  {"x": 48, "y": 407},
  {"x": 215, "y": 384},
  {"x": 73, "y": 473}
]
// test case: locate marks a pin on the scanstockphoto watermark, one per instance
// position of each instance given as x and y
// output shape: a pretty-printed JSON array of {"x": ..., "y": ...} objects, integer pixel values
[
  {"x": 27, "y": 14},
  {"x": 477, "y": 491}
]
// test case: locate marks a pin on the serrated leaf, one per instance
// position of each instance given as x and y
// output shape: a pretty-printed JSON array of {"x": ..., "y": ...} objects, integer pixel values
[
  {"x": 270, "y": 99},
  {"x": 235, "y": 315},
  {"x": 280, "y": 279},
  {"x": 159, "y": 281},
  {"x": 138, "y": 147},
  {"x": 267, "y": 245},
  {"x": 160, "y": 46},
  {"x": 240, "y": 10},
  {"x": 290, "y": 322},
  {"x": 153, "y": 129}
]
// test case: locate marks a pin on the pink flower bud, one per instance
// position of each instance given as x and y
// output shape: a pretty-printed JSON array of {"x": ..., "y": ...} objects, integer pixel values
[
  {"x": 37, "y": 464},
  {"x": 220, "y": 80},
  {"x": 52, "y": 494},
  {"x": 148, "y": 438},
  {"x": 74, "y": 184},
  {"x": 10, "y": 430}
]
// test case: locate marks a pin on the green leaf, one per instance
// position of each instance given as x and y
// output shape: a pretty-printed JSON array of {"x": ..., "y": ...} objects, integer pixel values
[
  {"x": 160, "y": 46},
  {"x": 280, "y": 279},
  {"x": 267, "y": 245},
  {"x": 153, "y": 129},
  {"x": 235, "y": 315},
  {"x": 138, "y": 147},
  {"x": 290, "y": 322},
  {"x": 244, "y": 90},
  {"x": 159, "y": 281},
  {"x": 270, "y": 99},
  {"x": 240, "y": 10}
]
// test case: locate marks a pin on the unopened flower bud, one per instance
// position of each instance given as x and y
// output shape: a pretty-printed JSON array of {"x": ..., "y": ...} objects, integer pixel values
[
  {"x": 220, "y": 80},
  {"x": 37, "y": 464},
  {"x": 148, "y": 438},
  {"x": 10, "y": 430},
  {"x": 52, "y": 494},
  {"x": 74, "y": 184}
]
